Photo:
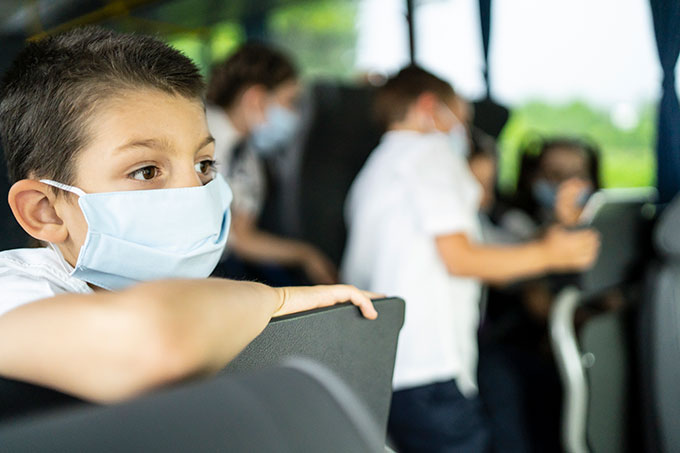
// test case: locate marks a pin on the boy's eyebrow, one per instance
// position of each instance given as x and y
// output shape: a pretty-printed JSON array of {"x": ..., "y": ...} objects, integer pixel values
[
  {"x": 158, "y": 144},
  {"x": 208, "y": 140}
]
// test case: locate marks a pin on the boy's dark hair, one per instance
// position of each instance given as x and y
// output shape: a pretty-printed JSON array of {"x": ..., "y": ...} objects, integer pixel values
[
  {"x": 252, "y": 64},
  {"x": 401, "y": 90},
  {"x": 54, "y": 86}
]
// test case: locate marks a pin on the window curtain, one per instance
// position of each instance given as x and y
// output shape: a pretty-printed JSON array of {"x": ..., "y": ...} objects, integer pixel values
[
  {"x": 485, "y": 20},
  {"x": 666, "y": 15}
]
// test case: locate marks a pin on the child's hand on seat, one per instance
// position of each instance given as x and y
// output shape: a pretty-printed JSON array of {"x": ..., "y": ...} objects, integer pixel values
[{"x": 296, "y": 299}]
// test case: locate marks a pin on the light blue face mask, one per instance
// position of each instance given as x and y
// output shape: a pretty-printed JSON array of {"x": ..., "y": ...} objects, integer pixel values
[
  {"x": 458, "y": 137},
  {"x": 545, "y": 194},
  {"x": 459, "y": 140},
  {"x": 144, "y": 235},
  {"x": 278, "y": 130}
]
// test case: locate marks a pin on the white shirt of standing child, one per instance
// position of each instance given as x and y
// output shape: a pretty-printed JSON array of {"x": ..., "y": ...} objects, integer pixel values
[{"x": 413, "y": 188}]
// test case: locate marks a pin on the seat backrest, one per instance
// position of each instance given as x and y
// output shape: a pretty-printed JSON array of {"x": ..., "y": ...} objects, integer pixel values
[
  {"x": 595, "y": 366},
  {"x": 296, "y": 408},
  {"x": 361, "y": 352},
  {"x": 659, "y": 338},
  {"x": 340, "y": 135},
  {"x": 605, "y": 344},
  {"x": 622, "y": 217},
  {"x": 20, "y": 399}
]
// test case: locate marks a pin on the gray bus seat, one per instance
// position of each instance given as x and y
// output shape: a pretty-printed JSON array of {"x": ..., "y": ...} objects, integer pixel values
[
  {"x": 299, "y": 407},
  {"x": 659, "y": 338},
  {"x": 21, "y": 399},
  {"x": 361, "y": 352},
  {"x": 340, "y": 134},
  {"x": 593, "y": 365}
]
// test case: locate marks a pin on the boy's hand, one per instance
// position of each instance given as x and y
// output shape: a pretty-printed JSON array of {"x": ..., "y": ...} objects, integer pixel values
[
  {"x": 296, "y": 299},
  {"x": 568, "y": 206},
  {"x": 571, "y": 250}
]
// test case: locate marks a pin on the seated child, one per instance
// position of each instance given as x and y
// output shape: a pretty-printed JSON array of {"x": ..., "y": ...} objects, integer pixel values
[
  {"x": 111, "y": 161},
  {"x": 414, "y": 231},
  {"x": 252, "y": 114}
]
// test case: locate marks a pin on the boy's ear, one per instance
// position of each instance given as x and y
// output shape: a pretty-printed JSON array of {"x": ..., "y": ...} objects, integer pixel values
[
  {"x": 255, "y": 99},
  {"x": 32, "y": 204},
  {"x": 424, "y": 111},
  {"x": 428, "y": 102}
]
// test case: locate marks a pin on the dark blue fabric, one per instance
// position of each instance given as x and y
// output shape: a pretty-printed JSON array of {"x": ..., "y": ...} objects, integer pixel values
[
  {"x": 485, "y": 21},
  {"x": 11, "y": 234},
  {"x": 666, "y": 15},
  {"x": 437, "y": 418}
]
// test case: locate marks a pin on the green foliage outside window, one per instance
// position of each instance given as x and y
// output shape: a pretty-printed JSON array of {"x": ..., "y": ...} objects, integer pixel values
[
  {"x": 321, "y": 35},
  {"x": 627, "y": 159}
]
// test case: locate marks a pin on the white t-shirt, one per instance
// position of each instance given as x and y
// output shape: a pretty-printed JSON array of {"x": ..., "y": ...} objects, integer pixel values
[
  {"x": 27, "y": 275},
  {"x": 245, "y": 172},
  {"x": 413, "y": 188}
]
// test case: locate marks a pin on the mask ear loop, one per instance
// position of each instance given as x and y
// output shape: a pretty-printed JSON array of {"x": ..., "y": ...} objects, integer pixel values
[
  {"x": 65, "y": 264},
  {"x": 65, "y": 187},
  {"x": 67, "y": 267}
]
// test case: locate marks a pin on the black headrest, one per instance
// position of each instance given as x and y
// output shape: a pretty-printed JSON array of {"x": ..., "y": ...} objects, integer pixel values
[
  {"x": 490, "y": 116},
  {"x": 667, "y": 233}
]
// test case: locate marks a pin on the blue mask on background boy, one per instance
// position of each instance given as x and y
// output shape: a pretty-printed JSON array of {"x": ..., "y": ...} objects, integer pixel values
[
  {"x": 459, "y": 140},
  {"x": 144, "y": 235},
  {"x": 278, "y": 129}
]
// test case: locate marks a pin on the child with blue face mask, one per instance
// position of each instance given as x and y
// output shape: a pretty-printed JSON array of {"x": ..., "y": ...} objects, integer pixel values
[
  {"x": 253, "y": 114},
  {"x": 557, "y": 176},
  {"x": 112, "y": 166}
]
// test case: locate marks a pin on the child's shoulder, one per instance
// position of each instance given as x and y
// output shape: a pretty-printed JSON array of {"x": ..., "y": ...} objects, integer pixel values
[
  {"x": 32, "y": 274},
  {"x": 28, "y": 259}
]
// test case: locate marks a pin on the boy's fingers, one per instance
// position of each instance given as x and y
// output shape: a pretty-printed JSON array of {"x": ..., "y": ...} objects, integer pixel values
[
  {"x": 372, "y": 295},
  {"x": 363, "y": 301}
]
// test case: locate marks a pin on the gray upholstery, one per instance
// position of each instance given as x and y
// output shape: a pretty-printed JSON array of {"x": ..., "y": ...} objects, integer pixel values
[
  {"x": 659, "y": 338},
  {"x": 604, "y": 344},
  {"x": 297, "y": 408},
  {"x": 592, "y": 395},
  {"x": 625, "y": 234},
  {"x": 667, "y": 233},
  {"x": 341, "y": 134},
  {"x": 664, "y": 356},
  {"x": 361, "y": 352}
]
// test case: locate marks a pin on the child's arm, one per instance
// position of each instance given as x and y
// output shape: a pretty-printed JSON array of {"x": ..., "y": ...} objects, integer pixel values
[
  {"x": 560, "y": 251},
  {"x": 109, "y": 346}
]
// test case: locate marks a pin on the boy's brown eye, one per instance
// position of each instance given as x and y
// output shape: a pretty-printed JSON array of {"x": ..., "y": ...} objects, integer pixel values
[
  {"x": 145, "y": 174},
  {"x": 205, "y": 167}
]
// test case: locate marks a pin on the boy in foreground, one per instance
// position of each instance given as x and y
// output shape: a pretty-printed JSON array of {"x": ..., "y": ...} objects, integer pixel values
[{"x": 112, "y": 165}]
